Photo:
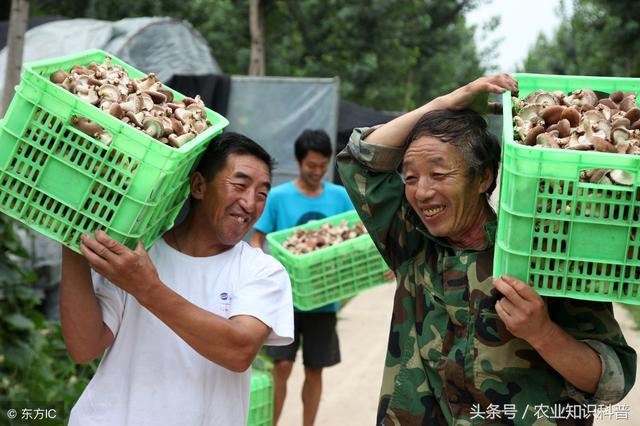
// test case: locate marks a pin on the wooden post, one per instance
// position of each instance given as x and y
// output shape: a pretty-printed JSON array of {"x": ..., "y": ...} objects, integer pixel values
[
  {"x": 256, "y": 22},
  {"x": 15, "y": 46}
]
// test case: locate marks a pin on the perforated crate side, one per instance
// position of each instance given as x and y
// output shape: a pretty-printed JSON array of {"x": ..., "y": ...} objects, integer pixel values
[{"x": 565, "y": 237}]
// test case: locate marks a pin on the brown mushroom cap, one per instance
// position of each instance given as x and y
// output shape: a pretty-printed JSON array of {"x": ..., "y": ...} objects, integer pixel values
[
  {"x": 552, "y": 114},
  {"x": 602, "y": 145},
  {"x": 572, "y": 115},
  {"x": 564, "y": 128},
  {"x": 58, "y": 76},
  {"x": 617, "y": 96},
  {"x": 627, "y": 103},
  {"x": 633, "y": 114},
  {"x": 533, "y": 134}
]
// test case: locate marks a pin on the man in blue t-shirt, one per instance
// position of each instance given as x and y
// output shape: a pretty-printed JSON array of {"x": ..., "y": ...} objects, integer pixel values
[{"x": 306, "y": 198}]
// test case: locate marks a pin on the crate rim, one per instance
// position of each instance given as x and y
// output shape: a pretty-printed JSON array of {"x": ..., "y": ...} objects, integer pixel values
[
  {"x": 569, "y": 155},
  {"x": 271, "y": 236},
  {"x": 220, "y": 123}
]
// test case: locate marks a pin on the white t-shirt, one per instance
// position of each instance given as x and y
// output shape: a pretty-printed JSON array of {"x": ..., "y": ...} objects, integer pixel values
[{"x": 150, "y": 376}]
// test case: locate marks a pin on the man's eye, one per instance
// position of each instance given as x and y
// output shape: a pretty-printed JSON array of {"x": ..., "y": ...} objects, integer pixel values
[
  {"x": 409, "y": 179},
  {"x": 262, "y": 195},
  {"x": 239, "y": 185}
]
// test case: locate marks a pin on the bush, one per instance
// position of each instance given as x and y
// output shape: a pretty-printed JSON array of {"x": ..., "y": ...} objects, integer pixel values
[{"x": 34, "y": 365}]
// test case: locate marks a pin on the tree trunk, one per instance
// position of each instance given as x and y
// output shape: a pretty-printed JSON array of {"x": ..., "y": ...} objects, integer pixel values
[
  {"x": 256, "y": 21},
  {"x": 15, "y": 44}
]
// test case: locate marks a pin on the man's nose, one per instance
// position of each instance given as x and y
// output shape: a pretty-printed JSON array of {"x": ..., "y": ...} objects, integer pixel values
[
  {"x": 425, "y": 189},
  {"x": 248, "y": 201}
]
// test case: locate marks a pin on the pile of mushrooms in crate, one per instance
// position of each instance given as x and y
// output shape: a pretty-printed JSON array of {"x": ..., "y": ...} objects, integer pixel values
[
  {"x": 307, "y": 240},
  {"x": 141, "y": 102},
  {"x": 581, "y": 121}
]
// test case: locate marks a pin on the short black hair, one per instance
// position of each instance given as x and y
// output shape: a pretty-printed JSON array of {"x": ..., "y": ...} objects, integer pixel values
[
  {"x": 468, "y": 132},
  {"x": 312, "y": 140},
  {"x": 222, "y": 146}
]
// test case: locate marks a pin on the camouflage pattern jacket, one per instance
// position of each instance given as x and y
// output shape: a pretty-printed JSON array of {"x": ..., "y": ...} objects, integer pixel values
[{"x": 450, "y": 359}]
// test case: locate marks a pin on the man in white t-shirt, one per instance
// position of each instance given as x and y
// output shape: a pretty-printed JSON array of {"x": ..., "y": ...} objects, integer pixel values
[{"x": 179, "y": 326}]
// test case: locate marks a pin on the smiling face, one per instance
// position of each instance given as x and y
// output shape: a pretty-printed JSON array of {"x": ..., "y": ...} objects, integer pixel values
[
  {"x": 438, "y": 187},
  {"x": 313, "y": 167},
  {"x": 234, "y": 199}
]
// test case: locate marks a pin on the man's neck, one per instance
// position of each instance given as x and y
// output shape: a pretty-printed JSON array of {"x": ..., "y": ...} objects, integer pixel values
[
  {"x": 307, "y": 189},
  {"x": 187, "y": 239},
  {"x": 475, "y": 238}
]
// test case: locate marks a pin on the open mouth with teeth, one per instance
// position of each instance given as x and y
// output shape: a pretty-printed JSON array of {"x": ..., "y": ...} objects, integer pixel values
[
  {"x": 240, "y": 219},
  {"x": 433, "y": 211}
]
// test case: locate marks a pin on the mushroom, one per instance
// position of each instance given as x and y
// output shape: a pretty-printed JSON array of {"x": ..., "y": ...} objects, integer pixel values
[
  {"x": 564, "y": 128},
  {"x": 628, "y": 103},
  {"x": 146, "y": 83},
  {"x": 89, "y": 96},
  {"x": 621, "y": 177},
  {"x": 541, "y": 97},
  {"x": 133, "y": 104},
  {"x": 617, "y": 96},
  {"x": 153, "y": 127},
  {"x": 58, "y": 77},
  {"x": 177, "y": 127},
  {"x": 147, "y": 101},
  {"x": 86, "y": 126},
  {"x": 602, "y": 145},
  {"x": 133, "y": 118},
  {"x": 633, "y": 114},
  {"x": 116, "y": 110},
  {"x": 166, "y": 92},
  {"x": 531, "y": 138},
  {"x": 551, "y": 114},
  {"x": 547, "y": 140},
  {"x": 582, "y": 97},
  {"x": 608, "y": 103},
  {"x": 167, "y": 126},
  {"x": 572, "y": 115},
  {"x": 109, "y": 92},
  {"x": 178, "y": 141},
  {"x": 157, "y": 97}
]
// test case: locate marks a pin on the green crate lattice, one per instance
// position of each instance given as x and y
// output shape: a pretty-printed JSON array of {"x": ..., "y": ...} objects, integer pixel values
[
  {"x": 63, "y": 183},
  {"x": 332, "y": 273},
  {"x": 261, "y": 399},
  {"x": 562, "y": 236}
]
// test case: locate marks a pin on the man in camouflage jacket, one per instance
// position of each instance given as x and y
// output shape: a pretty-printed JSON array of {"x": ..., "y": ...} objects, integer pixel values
[{"x": 465, "y": 348}]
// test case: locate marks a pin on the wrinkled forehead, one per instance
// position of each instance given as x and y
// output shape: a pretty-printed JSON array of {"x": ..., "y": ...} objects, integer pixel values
[
  {"x": 431, "y": 151},
  {"x": 247, "y": 166}
]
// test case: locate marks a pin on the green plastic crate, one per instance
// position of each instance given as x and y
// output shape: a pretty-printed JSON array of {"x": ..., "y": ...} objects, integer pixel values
[
  {"x": 261, "y": 399},
  {"x": 564, "y": 237},
  {"x": 332, "y": 273},
  {"x": 63, "y": 183}
]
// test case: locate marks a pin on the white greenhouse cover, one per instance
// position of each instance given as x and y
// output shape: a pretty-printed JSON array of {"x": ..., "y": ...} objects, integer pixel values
[
  {"x": 164, "y": 46},
  {"x": 273, "y": 111}
]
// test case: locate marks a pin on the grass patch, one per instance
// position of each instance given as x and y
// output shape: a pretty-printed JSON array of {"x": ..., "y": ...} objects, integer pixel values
[{"x": 634, "y": 310}]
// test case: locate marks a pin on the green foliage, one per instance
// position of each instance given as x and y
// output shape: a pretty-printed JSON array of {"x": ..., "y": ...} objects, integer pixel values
[
  {"x": 634, "y": 310},
  {"x": 599, "y": 38},
  {"x": 34, "y": 365},
  {"x": 389, "y": 54}
]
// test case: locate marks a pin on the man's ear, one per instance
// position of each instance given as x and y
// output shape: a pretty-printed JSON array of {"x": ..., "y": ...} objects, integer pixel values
[
  {"x": 197, "y": 183},
  {"x": 485, "y": 180}
]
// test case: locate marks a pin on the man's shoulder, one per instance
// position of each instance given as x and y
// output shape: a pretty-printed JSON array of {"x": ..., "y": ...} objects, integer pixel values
[
  {"x": 332, "y": 187},
  {"x": 284, "y": 189},
  {"x": 255, "y": 257}
]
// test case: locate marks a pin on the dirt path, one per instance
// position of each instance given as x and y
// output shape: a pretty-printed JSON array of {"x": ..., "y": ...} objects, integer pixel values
[{"x": 351, "y": 388}]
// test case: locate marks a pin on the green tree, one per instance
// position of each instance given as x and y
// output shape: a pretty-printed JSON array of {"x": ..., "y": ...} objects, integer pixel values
[
  {"x": 598, "y": 38},
  {"x": 389, "y": 54}
]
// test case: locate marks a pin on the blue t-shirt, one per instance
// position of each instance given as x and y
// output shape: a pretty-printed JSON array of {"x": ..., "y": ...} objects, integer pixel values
[{"x": 287, "y": 207}]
